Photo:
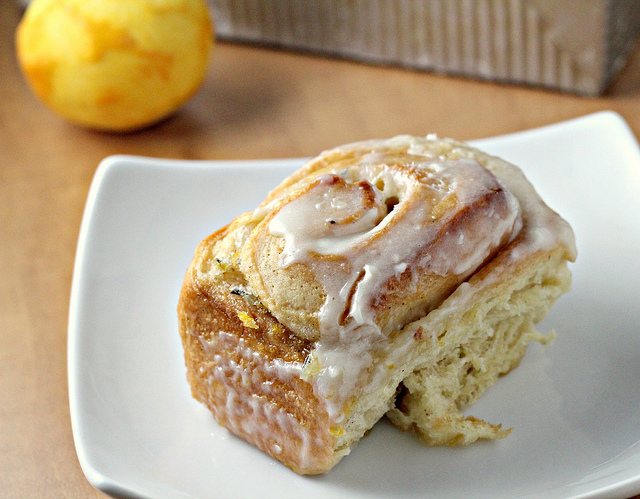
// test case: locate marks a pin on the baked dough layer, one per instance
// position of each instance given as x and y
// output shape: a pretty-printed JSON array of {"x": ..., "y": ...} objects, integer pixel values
[{"x": 291, "y": 382}]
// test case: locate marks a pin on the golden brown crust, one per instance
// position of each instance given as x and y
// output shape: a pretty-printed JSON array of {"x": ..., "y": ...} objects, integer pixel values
[{"x": 226, "y": 359}]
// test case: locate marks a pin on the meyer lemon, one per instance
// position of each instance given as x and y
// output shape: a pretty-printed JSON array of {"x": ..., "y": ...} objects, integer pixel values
[{"x": 115, "y": 65}]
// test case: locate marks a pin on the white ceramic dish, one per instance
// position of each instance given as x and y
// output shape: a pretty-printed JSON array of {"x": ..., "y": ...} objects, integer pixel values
[{"x": 574, "y": 407}]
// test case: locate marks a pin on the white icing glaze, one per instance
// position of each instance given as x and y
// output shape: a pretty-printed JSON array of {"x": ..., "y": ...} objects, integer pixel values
[{"x": 345, "y": 346}]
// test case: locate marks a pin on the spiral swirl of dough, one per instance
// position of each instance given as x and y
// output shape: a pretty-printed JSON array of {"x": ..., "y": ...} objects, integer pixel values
[{"x": 371, "y": 236}]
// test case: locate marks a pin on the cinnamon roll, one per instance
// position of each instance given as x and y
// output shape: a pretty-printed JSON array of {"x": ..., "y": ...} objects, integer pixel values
[{"x": 397, "y": 277}]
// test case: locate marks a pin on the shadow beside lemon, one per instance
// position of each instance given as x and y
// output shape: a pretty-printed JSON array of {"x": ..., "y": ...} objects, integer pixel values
[{"x": 116, "y": 65}]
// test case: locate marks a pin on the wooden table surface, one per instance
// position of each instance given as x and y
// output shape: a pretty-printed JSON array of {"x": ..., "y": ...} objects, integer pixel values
[{"x": 255, "y": 103}]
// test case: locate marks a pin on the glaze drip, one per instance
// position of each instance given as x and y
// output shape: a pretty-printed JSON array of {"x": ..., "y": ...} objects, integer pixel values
[{"x": 391, "y": 218}]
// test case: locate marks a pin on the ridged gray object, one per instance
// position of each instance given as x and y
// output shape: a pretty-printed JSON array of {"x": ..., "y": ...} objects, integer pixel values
[{"x": 570, "y": 45}]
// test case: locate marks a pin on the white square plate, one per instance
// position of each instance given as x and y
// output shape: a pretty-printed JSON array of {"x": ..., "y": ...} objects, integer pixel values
[{"x": 574, "y": 407}]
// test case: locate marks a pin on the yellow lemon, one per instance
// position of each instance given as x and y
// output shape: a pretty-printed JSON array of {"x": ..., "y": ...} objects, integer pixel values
[{"x": 115, "y": 65}]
